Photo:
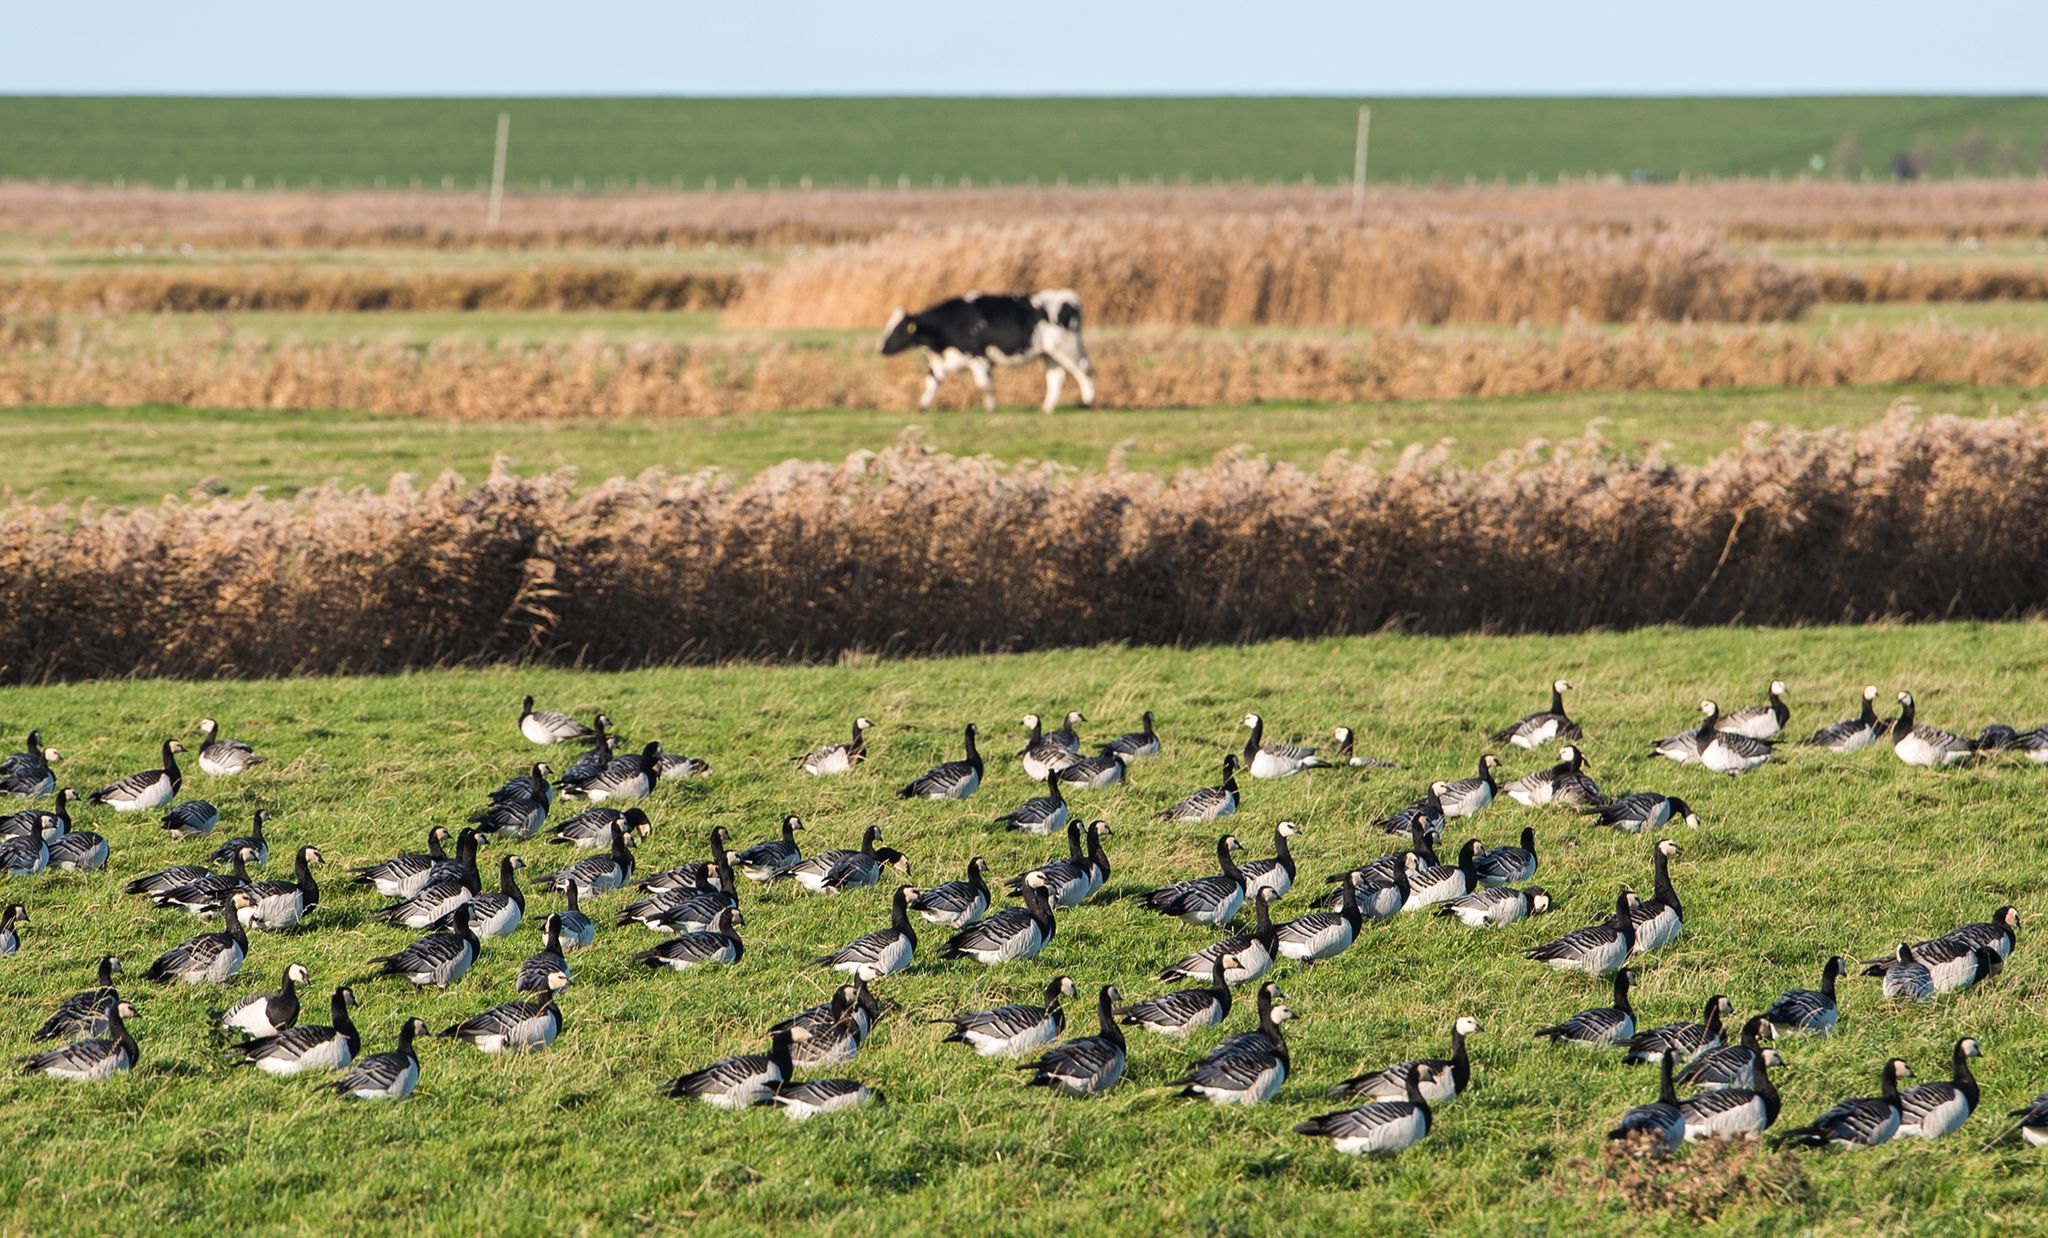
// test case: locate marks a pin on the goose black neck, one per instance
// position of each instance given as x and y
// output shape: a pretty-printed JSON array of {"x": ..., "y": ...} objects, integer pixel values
[
  {"x": 789, "y": 831},
  {"x": 1486, "y": 773},
  {"x": 1766, "y": 1092},
  {"x": 302, "y": 876},
  {"x": 899, "y": 914},
  {"x": 1415, "y": 1097},
  {"x": 778, "y": 1053},
  {"x": 1052, "y": 786},
  {"x": 1105, "y": 1018},
  {"x": 1711, "y": 1020},
  {"x": 1281, "y": 852},
  {"x": 1621, "y": 992},
  {"x": 1965, "y": 1081},
  {"x": 553, "y": 945},
  {"x": 106, "y": 970},
  {"x": 859, "y": 737},
  {"x": 1096, "y": 855},
  {"x": 508, "y": 878},
  {"x": 1223, "y": 857},
  {"x": 337, "y": 1009},
  {"x": 1468, "y": 857},
  {"x": 1039, "y": 906},
  {"x": 1627, "y": 924},
  {"x": 117, "y": 1030},
  {"x": 435, "y": 851},
  {"x": 1258, "y": 736},
  {"x": 979, "y": 883},
  {"x": 974, "y": 754},
  {"x": 1461, "y": 1060},
  {"x": 1662, "y": 883},
  {"x": 1706, "y": 731},
  {"x": 1052, "y": 999},
  {"x": 1667, "y": 1092},
  {"x": 232, "y": 915},
  {"x": 1220, "y": 987},
  {"x": 1263, "y": 931},
  {"x": 1148, "y": 725},
  {"x": 1347, "y": 903},
  {"x": 1556, "y": 701},
  {"x": 1905, "y": 725},
  {"x": 171, "y": 767},
  {"x": 1891, "y": 1085},
  {"x": 290, "y": 985},
  {"x": 1827, "y": 982},
  {"x": 405, "y": 1035}
]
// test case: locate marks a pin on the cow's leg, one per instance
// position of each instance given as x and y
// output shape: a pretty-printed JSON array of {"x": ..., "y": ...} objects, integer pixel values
[
  {"x": 1067, "y": 354},
  {"x": 984, "y": 380},
  {"x": 1055, "y": 378},
  {"x": 934, "y": 375}
]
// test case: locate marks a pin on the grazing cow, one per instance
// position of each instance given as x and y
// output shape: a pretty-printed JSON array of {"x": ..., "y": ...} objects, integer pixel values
[{"x": 974, "y": 331}]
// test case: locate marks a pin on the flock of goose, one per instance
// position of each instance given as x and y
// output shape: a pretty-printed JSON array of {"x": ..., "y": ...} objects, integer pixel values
[{"x": 441, "y": 895}]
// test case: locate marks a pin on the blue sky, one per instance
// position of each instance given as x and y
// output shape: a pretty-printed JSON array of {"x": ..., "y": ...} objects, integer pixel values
[{"x": 779, "y": 47}]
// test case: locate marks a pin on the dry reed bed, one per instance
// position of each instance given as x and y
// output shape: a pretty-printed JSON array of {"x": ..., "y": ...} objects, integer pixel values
[
  {"x": 1918, "y": 519},
  {"x": 1900, "y": 281},
  {"x": 1289, "y": 270},
  {"x": 64, "y": 361},
  {"x": 1746, "y": 210},
  {"x": 323, "y": 290}
]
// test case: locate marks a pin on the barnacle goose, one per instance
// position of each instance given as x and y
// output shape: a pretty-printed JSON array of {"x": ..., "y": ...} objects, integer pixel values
[
  {"x": 1660, "y": 1124},
  {"x": 98, "y": 1058},
  {"x": 2033, "y": 1122},
  {"x": 1659, "y": 921},
  {"x": 1851, "y": 734},
  {"x": 223, "y": 757},
  {"x": 1209, "y": 803},
  {"x": 308, "y": 1046},
  {"x": 84, "y": 1013},
  {"x": 1043, "y": 754},
  {"x": 281, "y": 904},
  {"x": 152, "y": 788},
  {"x": 1347, "y": 751},
  {"x": 1382, "y": 898},
  {"x": 498, "y": 915},
  {"x": 593, "y": 826},
  {"x": 578, "y": 930},
  {"x": 1496, "y": 906},
  {"x": 1730, "y": 1066},
  {"x": 157, "y": 884},
  {"x": 2034, "y": 746},
  {"x": 1183, "y": 1010},
  {"x": 1381, "y": 1128},
  {"x": 1321, "y": 934},
  {"x": 1449, "y": 1077},
  {"x": 626, "y": 778},
  {"x": 1067, "y": 737},
  {"x": 737, "y": 1082},
  {"x": 1997, "y": 737},
  {"x": 1906, "y": 978},
  {"x": 1069, "y": 882},
  {"x": 1724, "y": 751},
  {"x": 1684, "y": 747},
  {"x": 1041, "y": 814},
  {"x": 885, "y": 950},
  {"x": 836, "y": 1028},
  {"x": 1095, "y": 772},
  {"x": 192, "y": 819},
  {"x": 1424, "y": 818},
  {"x": 1643, "y": 811},
  {"x": 521, "y": 808},
  {"x": 1865, "y": 1122},
  {"x": 1681, "y": 1042},
  {"x": 79, "y": 851},
  {"x": 712, "y": 874},
  {"x": 1010, "y": 934},
  {"x": 1503, "y": 866},
  {"x": 717, "y": 944},
  {"x": 1596, "y": 949},
  {"x": 1537, "y": 729},
  {"x": 1246, "y": 956},
  {"x": 673, "y": 766},
  {"x": 1999, "y": 933},
  {"x": 202, "y": 896},
  {"x": 1013, "y": 1030},
  {"x": 534, "y": 973},
  {"x": 1143, "y": 743},
  {"x": 1090, "y": 1064},
  {"x": 828, "y": 872},
  {"x": 1602, "y": 1025},
  {"x": 1926, "y": 746},
  {"x": 956, "y": 903},
  {"x": 948, "y": 780},
  {"x": 403, "y": 876},
  {"x": 837, "y": 758},
  {"x": 1932, "y": 1110},
  {"x": 52, "y": 825},
  {"x": 1563, "y": 783},
  {"x": 451, "y": 889},
  {"x": 1277, "y": 872},
  {"x": 209, "y": 958},
  {"x": 252, "y": 841},
  {"x": 1810, "y": 1010},
  {"x": 1440, "y": 883},
  {"x": 386, "y": 1076},
  {"x": 546, "y": 726},
  {"x": 514, "y": 1025},
  {"x": 1735, "y": 1113},
  {"x": 438, "y": 959},
  {"x": 1760, "y": 721},
  {"x": 28, "y": 773},
  {"x": 1264, "y": 760},
  {"x": 600, "y": 874},
  {"x": 806, "y": 1100},
  {"x": 1272, "y": 1010},
  {"x": 1211, "y": 900},
  {"x": 765, "y": 859},
  {"x": 593, "y": 760},
  {"x": 1469, "y": 796},
  {"x": 10, "y": 936},
  {"x": 1939, "y": 966},
  {"x": 24, "y": 855},
  {"x": 1245, "y": 1077}
]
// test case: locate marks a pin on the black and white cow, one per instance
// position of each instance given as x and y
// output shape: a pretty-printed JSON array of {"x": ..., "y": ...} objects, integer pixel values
[{"x": 974, "y": 332}]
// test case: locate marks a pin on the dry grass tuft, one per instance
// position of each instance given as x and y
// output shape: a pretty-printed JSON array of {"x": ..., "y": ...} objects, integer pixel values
[
  {"x": 1708, "y": 1180},
  {"x": 908, "y": 551},
  {"x": 1290, "y": 270},
  {"x": 150, "y": 290}
]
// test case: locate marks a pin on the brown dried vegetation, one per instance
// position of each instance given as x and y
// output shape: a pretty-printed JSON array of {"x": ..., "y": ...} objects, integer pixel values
[
  {"x": 908, "y": 551},
  {"x": 1700, "y": 1186}
]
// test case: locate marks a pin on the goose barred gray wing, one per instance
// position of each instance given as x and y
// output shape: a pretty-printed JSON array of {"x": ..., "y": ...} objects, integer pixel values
[
  {"x": 687, "y": 950},
  {"x": 806, "y": 1100},
  {"x": 224, "y": 758},
  {"x": 81, "y": 851},
  {"x": 548, "y": 726},
  {"x": 166, "y": 880},
  {"x": 520, "y": 1025},
  {"x": 1012, "y": 933},
  {"x": 1496, "y": 906},
  {"x": 385, "y": 1076},
  {"x": 593, "y": 826},
  {"x": 192, "y": 819},
  {"x": 1080, "y": 1067},
  {"x": 438, "y": 959},
  {"x": 949, "y": 780}
]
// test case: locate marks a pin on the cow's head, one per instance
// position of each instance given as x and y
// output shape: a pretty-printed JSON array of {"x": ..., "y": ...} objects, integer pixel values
[{"x": 900, "y": 334}]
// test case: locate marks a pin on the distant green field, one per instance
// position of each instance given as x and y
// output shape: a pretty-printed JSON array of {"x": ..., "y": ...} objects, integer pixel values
[
  {"x": 129, "y": 456},
  {"x": 680, "y": 142}
]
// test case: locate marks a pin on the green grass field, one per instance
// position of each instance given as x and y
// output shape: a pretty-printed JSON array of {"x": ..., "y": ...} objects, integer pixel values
[
  {"x": 129, "y": 456},
  {"x": 679, "y": 142},
  {"x": 1817, "y": 855}
]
